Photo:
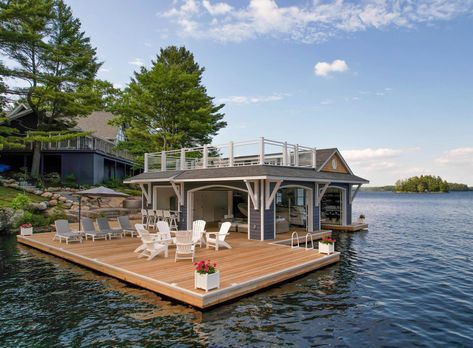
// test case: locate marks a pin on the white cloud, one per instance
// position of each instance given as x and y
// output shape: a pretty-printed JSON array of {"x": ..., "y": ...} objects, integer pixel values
[
  {"x": 371, "y": 154},
  {"x": 310, "y": 22},
  {"x": 104, "y": 70},
  {"x": 324, "y": 69},
  {"x": 242, "y": 99},
  {"x": 136, "y": 62},
  {"x": 462, "y": 156},
  {"x": 219, "y": 8}
]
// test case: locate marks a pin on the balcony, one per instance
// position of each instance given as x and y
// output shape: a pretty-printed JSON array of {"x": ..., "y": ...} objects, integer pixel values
[{"x": 246, "y": 153}]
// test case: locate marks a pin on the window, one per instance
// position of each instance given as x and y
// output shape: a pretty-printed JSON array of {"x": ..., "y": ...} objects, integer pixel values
[{"x": 300, "y": 197}]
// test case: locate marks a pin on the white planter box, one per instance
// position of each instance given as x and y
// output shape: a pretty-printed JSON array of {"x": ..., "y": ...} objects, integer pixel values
[
  {"x": 207, "y": 281},
  {"x": 326, "y": 248},
  {"x": 26, "y": 231}
]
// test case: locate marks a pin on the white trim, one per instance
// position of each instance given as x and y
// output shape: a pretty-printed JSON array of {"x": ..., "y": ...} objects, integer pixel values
[
  {"x": 236, "y": 178},
  {"x": 253, "y": 194},
  {"x": 270, "y": 197},
  {"x": 261, "y": 184},
  {"x": 178, "y": 192},
  {"x": 353, "y": 193},
  {"x": 344, "y": 204},
  {"x": 321, "y": 192},
  {"x": 145, "y": 192}
]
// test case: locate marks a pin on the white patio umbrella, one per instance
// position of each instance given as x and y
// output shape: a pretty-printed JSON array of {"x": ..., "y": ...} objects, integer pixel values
[{"x": 100, "y": 191}]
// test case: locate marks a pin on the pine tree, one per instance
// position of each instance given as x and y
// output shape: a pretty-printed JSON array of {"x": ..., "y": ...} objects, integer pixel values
[
  {"x": 8, "y": 135},
  {"x": 55, "y": 59},
  {"x": 167, "y": 106}
]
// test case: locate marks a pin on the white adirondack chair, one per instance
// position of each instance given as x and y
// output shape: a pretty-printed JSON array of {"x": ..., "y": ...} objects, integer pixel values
[
  {"x": 164, "y": 232},
  {"x": 151, "y": 247},
  {"x": 219, "y": 240},
  {"x": 185, "y": 248},
  {"x": 198, "y": 230}
]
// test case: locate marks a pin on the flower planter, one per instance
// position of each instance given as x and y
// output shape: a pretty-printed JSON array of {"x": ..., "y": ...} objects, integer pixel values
[
  {"x": 26, "y": 231},
  {"x": 325, "y": 248},
  {"x": 207, "y": 281}
]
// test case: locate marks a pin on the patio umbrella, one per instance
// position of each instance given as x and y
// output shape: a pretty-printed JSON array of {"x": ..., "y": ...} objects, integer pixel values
[{"x": 100, "y": 191}]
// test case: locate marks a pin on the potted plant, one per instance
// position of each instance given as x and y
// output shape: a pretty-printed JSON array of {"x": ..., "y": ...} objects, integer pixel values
[
  {"x": 26, "y": 230},
  {"x": 207, "y": 277},
  {"x": 361, "y": 219},
  {"x": 327, "y": 245}
]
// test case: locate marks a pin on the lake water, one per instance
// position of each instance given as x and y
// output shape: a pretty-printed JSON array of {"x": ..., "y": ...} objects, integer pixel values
[{"x": 406, "y": 282}]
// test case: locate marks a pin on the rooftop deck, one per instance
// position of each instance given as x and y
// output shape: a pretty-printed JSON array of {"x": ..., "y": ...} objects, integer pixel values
[{"x": 248, "y": 267}]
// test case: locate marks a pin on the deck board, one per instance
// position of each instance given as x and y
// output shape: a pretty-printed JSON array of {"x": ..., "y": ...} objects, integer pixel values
[{"x": 247, "y": 267}]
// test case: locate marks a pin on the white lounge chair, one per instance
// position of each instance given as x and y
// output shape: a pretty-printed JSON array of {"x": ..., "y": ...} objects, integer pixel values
[
  {"x": 164, "y": 232},
  {"x": 152, "y": 248},
  {"x": 141, "y": 230},
  {"x": 185, "y": 248},
  {"x": 219, "y": 240},
  {"x": 63, "y": 231},
  {"x": 125, "y": 225},
  {"x": 198, "y": 230},
  {"x": 88, "y": 229},
  {"x": 104, "y": 227}
]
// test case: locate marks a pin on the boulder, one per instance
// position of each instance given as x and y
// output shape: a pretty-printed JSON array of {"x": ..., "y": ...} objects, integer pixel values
[
  {"x": 47, "y": 195},
  {"x": 67, "y": 205},
  {"x": 62, "y": 199},
  {"x": 6, "y": 215},
  {"x": 38, "y": 192},
  {"x": 55, "y": 196},
  {"x": 52, "y": 202},
  {"x": 43, "y": 206}
]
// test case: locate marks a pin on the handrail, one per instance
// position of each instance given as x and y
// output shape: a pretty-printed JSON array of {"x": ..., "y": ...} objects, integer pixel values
[
  {"x": 311, "y": 241},
  {"x": 292, "y": 240}
]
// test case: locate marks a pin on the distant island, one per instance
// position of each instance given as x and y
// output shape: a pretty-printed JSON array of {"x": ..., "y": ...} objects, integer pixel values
[{"x": 421, "y": 184}]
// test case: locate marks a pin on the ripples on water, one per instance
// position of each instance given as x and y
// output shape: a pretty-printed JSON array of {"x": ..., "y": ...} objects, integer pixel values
[{"x": 406, "y": 282}]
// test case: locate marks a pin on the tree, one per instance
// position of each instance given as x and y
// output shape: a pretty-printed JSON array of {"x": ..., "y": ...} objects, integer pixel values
[
  {"x": 8, "y": 136},
  {"x": 166, "y": 106},
  {"x": 55, "y": 60}
]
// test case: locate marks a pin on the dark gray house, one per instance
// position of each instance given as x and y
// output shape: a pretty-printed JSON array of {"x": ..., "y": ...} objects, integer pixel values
[
  {"x": 91, "y": 159},
  {"x": 263, "y": 187}
]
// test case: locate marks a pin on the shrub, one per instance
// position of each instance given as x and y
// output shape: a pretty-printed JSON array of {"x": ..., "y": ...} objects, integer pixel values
[
  {"x": 37, "y": 220},
  {"x": 112, "y": 183},
  {"x": 56, "y": 214},
  {"x": 69, "y": 180},
  {"x": 52, "y": 179},
  {"x": 21, "y": 201}
]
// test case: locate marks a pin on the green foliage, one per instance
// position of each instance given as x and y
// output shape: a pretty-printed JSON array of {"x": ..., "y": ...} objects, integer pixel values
[
  {"x": 8, "y": 194},
  {"x": 70, "y": 180},
  {"x": 56, "y": 214},
  {"x": 21, "y": 201},
  {"x": 112, "y": 183},
  {"x": 52, "y": 179},
  {"x": 166, "y": 106},
  {"x": 457, "y": 187},
  {"x": 54, "y": 60},
  {"x": 423, "y": 183},
  {"x": 37, "y": 220}
]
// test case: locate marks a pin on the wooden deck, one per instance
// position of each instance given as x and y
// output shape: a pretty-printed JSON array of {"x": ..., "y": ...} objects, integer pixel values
[
  {"x": 247, "y": 267},
  {"x": 349, "y": 228}
]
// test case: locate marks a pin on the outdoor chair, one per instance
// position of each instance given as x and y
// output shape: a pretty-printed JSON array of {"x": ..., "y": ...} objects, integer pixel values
[
  {"x": 159, "y": 215},
  {"x": 88, "y": 229},
  {"x": 164, "y": 232},
  {"x": 125, "y": 225},
  {"x": 64, "y": 232},
  {"x": 173, "y": 221},
  {"x": 198, "y": 230},
  {"x": 151, "y": 247},
  {"x": 141, "y": 230},
  {"x": 151, "y": 219},
  {"x": 144, "y": 216},
  {"x": 219, "y": 240},
  {"x": 104, "y": 226},
  {"x": 185, "y": 248}
]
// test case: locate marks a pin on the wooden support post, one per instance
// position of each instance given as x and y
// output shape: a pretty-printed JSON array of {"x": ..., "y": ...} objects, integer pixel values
[
  {"x": 353, "y": 193},
  {"x": 253, "y": 194},
  {"x": 205, "y": 157},
  {"x": 164, "y": 166},
  {"x": 230, "y": 153},
  {"x": 269, "y": 196},
  {"x": 146, "y": 163},
  {"x": 261, "y": 150},
  {"x": 183, "y": 159}
]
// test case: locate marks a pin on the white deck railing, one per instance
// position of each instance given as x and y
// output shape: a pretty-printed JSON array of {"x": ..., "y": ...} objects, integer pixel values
[{"x": 232, "y": 154}]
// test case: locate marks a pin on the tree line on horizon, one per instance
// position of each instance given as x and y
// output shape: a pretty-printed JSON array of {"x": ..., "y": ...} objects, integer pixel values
[
  {"x": 427, "y": 183},
  {"x": 51, "y": 66}
]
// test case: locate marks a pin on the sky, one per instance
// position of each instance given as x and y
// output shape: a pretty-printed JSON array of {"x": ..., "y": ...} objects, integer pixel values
[{"x": 389, "y": 83}]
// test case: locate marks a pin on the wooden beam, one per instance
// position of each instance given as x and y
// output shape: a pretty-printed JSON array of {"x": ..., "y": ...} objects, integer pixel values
[
  {"x": 321, "y": 192},
  {"x": 353, "y": 193},
  {"x": 269, "y": 198},
  {"x": 177, "y": 191},
  {"x": 145, "y": 192},
  {"x": 253, "y": 195}
]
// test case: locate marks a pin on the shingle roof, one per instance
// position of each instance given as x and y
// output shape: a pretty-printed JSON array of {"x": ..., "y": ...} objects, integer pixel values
[
  {"x": 97, "y": 123},
  {"x": 263, "y": 171}
]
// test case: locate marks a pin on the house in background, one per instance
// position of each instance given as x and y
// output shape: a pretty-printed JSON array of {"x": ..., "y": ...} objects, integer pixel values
[
  {"x": 91, "y": 159},
  {"x": 263, "y": 187}
]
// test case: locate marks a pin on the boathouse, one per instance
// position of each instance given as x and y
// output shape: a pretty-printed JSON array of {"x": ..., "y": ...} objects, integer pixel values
[{"x": 264, "y": 187}]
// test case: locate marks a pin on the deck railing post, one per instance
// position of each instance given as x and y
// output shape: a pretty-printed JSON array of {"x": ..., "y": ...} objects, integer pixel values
[
  {"x": 284, "y": 154},
  {"x": 314, "y": 158},
  {"x": 146, "y": 163},
  {"x": 164, "y": 166},
  {"x": 296, "y": 155},
  {"x": 261, "y": 150},
  {"x": 183, "y": 159},
  {"x": 205, "y": 156},
  {"x": 230, "y": 154}
]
